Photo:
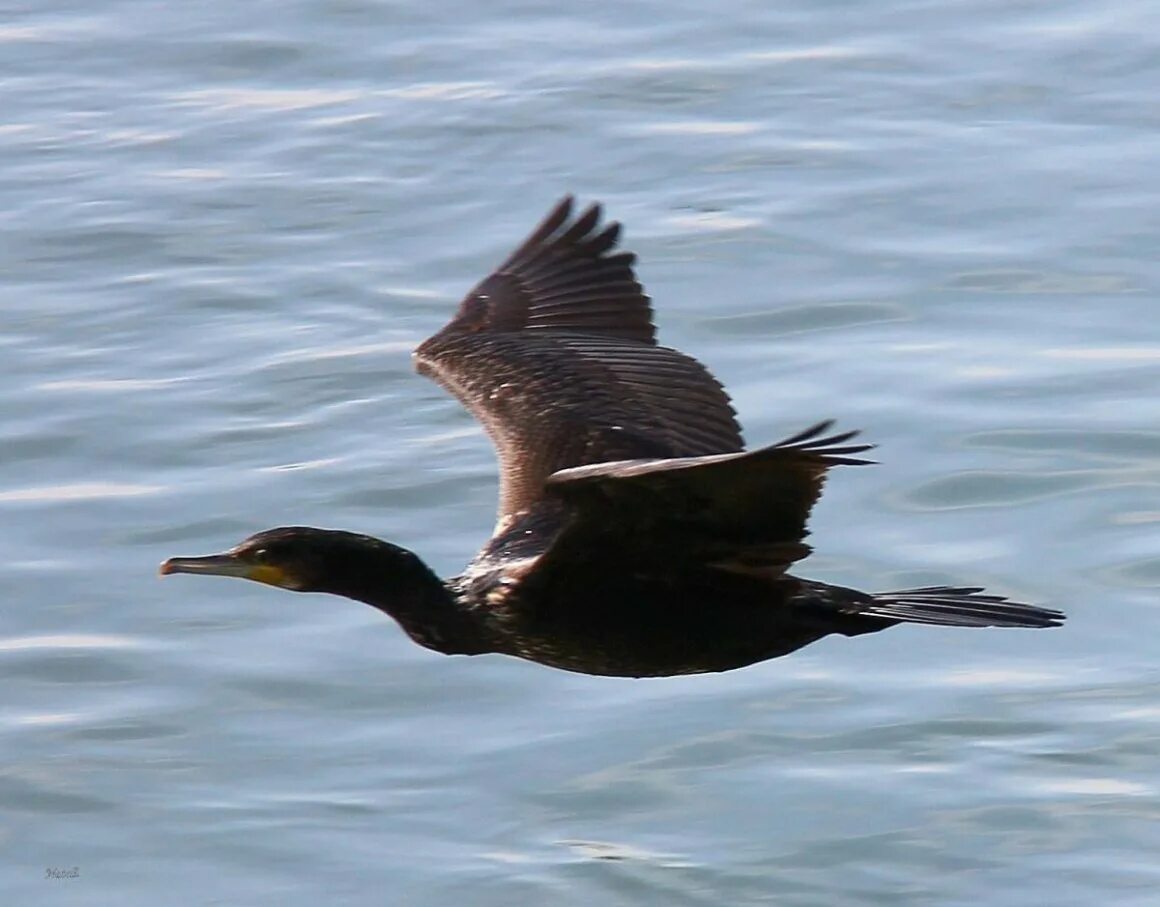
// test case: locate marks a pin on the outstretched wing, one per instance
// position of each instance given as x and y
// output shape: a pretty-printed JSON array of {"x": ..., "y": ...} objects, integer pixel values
[
  {"x": 740, "y": 512},
  {"x": 555, "y": 354}
]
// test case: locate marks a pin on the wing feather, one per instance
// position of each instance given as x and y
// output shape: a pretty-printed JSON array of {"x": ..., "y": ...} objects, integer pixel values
[
  {"x": 555, "y": 354},
  {"x": 745, "y": 512}
]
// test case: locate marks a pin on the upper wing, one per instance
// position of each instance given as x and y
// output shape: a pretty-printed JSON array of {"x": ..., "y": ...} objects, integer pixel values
[
  {"x": 555, "y": 354},
  {"x": 744, "y": 512}
]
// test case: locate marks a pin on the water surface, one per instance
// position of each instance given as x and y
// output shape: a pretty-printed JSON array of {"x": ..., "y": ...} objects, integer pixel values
[{"x": 225, "y": 226}]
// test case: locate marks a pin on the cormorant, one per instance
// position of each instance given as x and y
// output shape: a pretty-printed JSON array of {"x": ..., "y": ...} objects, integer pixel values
[{"x": 636, "y": 535}]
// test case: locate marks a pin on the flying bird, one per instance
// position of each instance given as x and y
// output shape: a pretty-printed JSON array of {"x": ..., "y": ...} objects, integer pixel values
[{"x": 636, "y": 535}]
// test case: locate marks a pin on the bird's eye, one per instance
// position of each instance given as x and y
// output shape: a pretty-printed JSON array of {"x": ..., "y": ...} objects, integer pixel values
[{"x": 261, "y": 555}]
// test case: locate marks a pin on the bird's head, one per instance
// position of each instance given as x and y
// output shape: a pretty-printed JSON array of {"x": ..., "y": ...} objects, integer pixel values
[
  {"x": 304, "y": 559},
  {"x": 356, "y": 566}
]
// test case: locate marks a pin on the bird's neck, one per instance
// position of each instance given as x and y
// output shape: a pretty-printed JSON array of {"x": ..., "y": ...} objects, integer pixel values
[{"x": 421, "y": 604}]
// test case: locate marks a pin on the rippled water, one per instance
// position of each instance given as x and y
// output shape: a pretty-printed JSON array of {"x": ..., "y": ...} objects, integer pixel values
[{"x": 225, "y": 225}]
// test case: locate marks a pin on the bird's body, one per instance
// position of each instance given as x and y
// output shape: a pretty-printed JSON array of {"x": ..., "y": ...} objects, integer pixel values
[{"x": 635, "y": 536}]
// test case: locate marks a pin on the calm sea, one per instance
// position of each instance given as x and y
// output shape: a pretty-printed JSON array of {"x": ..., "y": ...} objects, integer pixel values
[{"x": 226, "y": 224}]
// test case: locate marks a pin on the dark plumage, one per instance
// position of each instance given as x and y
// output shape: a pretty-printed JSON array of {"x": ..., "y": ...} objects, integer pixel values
[{"x": 636, "y": 536}]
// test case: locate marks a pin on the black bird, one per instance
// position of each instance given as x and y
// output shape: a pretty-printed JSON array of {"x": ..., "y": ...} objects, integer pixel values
[{"x": 636, "y": 536}]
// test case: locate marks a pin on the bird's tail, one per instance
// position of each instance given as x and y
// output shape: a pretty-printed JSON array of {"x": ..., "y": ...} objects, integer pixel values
[{"x": 958, "y": 606}]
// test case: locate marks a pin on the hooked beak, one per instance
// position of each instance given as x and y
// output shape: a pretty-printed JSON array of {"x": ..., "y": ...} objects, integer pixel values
[{"x": 227, "y": 565}]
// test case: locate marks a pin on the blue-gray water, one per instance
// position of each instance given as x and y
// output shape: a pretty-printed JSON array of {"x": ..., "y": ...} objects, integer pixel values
[{"x": 224, "y": 227}]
